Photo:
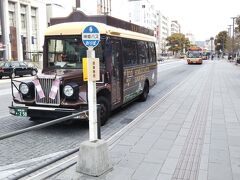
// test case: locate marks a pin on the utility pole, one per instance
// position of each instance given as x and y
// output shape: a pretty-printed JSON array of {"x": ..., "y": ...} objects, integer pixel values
[
  {"x": 78, "y": 4},
  {"x": 233, "y": 38},
  {"x": 230, "y": 38},
  {"x": 211, "y": 45},
  {"x": 223, "y": 46}
]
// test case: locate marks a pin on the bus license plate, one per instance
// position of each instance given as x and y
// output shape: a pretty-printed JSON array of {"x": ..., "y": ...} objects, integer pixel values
[{"x": 21, "y": 112}]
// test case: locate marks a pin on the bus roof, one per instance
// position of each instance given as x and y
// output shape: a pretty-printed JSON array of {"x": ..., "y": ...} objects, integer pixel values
[
  {"x": 79, "y": 16},
  {"x": 76, "y": 28}
]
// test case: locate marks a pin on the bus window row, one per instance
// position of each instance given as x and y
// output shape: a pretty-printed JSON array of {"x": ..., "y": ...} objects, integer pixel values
[{"x": 138, "y": 52}]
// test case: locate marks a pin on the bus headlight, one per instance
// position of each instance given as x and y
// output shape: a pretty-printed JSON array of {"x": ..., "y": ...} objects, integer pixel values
[
  {"x": 27, "y": 90},
  {"x": 71, "y": 91},
  {"x": 68, "y": 90},
  {"x": 23, "y": 88}
]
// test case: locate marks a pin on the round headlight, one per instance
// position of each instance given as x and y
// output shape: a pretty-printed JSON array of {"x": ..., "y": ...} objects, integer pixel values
[
  {"x": 68, "y": 90},
  {"x": 23, "y": 88}
]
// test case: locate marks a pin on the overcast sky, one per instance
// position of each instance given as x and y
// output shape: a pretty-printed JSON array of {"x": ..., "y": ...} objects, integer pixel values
[{"x": 203, "y": 18}]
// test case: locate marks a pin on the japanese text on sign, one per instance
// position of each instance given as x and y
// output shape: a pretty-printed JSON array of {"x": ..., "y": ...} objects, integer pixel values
[{"x": 91, "y": 72}]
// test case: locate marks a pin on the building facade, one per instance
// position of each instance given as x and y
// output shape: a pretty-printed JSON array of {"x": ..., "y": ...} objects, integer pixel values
[
  {"x": 93, "y": 7},
  {"x": 143, "y": 13},
  {"x": 163, "y": 31},
  {"x": 191, "y": 38},
  {"x": 175, "y": 27},
  {"x": 24, "y": 29}
]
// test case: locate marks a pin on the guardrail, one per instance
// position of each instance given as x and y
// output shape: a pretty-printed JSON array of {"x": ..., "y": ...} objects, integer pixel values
[{"x": 56, "y": 121}]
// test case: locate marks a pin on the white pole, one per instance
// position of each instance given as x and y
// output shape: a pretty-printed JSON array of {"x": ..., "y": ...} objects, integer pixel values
[{"x": 92, "y": 104}]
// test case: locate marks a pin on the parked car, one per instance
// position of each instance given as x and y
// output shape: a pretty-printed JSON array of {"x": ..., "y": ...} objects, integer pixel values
[
  {"x": 16, "y": 68},
  {"x": 162, "y": 56},
  {"x": 182, "y": 56}
]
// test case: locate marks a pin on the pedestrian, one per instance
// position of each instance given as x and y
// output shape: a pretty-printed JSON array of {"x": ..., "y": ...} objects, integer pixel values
[{"x": 212, "y": 56}]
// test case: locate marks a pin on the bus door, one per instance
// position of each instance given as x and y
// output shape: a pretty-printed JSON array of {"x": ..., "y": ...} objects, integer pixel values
[{"x": 116, "y": 68}]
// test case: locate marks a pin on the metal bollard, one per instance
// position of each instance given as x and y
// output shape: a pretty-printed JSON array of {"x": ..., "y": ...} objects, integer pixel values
[{"x": 98, "y": 122}]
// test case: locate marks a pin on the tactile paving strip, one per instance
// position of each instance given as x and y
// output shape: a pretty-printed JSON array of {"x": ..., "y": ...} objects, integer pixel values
[{"x": 189, "y": 160}]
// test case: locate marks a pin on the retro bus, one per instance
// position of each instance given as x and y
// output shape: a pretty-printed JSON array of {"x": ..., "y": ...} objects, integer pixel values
[
  {"x": 194, "y": 55},
  {"x": 128, "y": 69}
]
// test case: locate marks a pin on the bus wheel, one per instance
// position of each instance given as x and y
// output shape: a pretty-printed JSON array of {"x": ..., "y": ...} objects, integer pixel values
[
  {"x": 144, "y": 95},
  {"x": 104, "y": 109}
]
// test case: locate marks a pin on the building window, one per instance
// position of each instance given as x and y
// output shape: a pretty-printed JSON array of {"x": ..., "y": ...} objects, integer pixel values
[
  {"x": 11, "y": 6},
  {"x": 23, "y": 16},
  {"x": 34, "y": 18},
  {"x": 12, "y": 19},
  {"x": 23, "y": 21}
]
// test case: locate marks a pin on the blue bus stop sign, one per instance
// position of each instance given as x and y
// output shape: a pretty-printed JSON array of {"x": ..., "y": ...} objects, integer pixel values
[{"x": 91, "y": 36}]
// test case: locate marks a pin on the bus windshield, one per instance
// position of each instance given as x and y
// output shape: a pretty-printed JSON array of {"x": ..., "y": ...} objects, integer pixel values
[
  {"x": 65, "y": 52},
  {"x": 194, "y": 54}
]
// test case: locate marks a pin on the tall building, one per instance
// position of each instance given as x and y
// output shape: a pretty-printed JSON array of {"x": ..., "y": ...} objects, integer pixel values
[
  {"x": 163, "y": 31},
  {"x": 92, "y": 7},
  {"x": 191, "y": 38},
  {"x": 175, "y": 27},
  {"x": 142, "y": 13},
  {"x": 23, "y": 28}
]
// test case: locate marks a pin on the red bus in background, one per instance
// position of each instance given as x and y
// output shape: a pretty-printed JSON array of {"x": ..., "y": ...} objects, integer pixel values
[{"x": 194, "y": 55}]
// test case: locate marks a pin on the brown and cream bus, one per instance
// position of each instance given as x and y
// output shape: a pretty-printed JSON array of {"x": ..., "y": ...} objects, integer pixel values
[{"x": 128, "y": 69}]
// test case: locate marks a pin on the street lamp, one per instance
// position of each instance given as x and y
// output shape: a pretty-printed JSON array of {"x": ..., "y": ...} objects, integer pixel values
[{"x": 229, "y": 30}]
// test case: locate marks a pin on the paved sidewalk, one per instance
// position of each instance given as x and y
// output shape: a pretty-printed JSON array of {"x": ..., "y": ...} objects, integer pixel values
[{"x": 192, "y": 134}]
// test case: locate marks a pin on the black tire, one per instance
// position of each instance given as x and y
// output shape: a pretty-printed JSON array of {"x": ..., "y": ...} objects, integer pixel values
[
  {"x": 143, "y": 97},
  {"x": 0, "y": 77},
  {"x": 34, "y": 72},
  {"x": 104, "y": 109}
]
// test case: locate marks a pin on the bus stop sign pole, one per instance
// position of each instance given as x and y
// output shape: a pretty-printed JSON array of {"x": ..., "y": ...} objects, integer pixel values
[
  {"x": 92, "y": 104},
  {"x": 91, "y": 38},
  {"x": 93, "y": 156}
]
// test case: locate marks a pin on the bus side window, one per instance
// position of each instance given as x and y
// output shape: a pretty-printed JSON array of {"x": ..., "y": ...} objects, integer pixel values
[
  {"x": 115, "y": 58},
  {"x": 152, "y": 52},
  {"x": 99, "y": 53},
  {"x": 142, "y": 52},
  {"x": 134, "y": 52},
  {"x": 129, "y": 52}
]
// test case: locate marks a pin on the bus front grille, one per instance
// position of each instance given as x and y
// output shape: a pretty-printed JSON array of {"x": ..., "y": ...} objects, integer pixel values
[{"x": 46, "y": 84}]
